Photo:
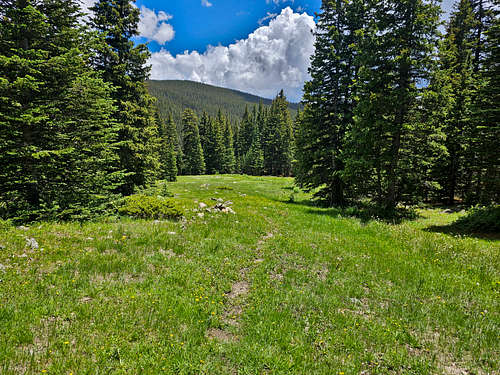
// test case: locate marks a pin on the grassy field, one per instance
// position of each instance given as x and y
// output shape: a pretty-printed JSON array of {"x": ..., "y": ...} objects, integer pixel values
[{"x": 276, "y": 288}]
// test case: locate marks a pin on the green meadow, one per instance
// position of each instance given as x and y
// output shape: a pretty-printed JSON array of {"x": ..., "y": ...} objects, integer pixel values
[{"x": 277, "y": 287}]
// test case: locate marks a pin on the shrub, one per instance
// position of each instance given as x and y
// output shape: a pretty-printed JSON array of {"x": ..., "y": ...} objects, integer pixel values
[
  {"x": 150, "y": 207},
  {"x": 5, "y": 225},
  {"x": 480, "y": 220}
]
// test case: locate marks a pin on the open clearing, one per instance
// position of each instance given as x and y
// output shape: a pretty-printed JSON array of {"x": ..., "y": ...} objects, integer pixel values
[{"x": 276, "y": 288}]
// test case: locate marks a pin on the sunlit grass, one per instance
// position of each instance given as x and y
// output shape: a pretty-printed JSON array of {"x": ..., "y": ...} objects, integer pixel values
[{"x": 326, "y": 295}]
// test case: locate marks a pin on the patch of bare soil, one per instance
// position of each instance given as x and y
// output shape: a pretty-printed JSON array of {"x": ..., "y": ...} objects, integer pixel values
[
  {"x": 220, "y": 335},
  {"x": 235, "y": 298}
]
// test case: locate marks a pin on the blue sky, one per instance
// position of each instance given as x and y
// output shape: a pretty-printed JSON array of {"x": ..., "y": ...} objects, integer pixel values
[
  {"x": 255, "y": 46},
  {"x": 225, "y": 21}
]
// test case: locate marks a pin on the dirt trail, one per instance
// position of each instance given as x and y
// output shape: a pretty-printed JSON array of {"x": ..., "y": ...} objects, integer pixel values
[{"x": 236, "y": 298}]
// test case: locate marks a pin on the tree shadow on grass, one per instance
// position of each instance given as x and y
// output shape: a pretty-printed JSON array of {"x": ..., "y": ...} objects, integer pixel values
[
  {"x": 453, "y": 230},
  {"x": 361, "y": 211},
  {"x": 478, "y": 222}
]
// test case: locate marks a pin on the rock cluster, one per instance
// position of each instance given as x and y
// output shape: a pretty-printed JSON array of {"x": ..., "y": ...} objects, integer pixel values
[{"x": 220, "y": 206}]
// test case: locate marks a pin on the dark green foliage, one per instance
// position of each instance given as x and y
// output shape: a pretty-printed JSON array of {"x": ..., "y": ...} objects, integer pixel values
[
  {"x": 175, "y": 96},
  {"x": 277, "y": 138},
  {"x": 124, "y": 66},
  {"x": 329, "y": 100},
  {"x": 194, "y": 162},
  {"x": 57, "y": 138},
  {"x": 396, "y": 53},
  {"x": 486, "y": 115},
  {"x": 228, "y": 158},
  {"x": 150, "y": 207},
  {"x": 213, "y": 145},
  {"x": 456, "y": 79},
  {"x": 252, "y": 161},
  {"x": 479, "y": 220},
  {"x": 168, "y": 156}
]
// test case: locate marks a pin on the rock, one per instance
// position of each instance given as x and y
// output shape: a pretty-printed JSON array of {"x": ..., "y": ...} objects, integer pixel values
[
  {"x": 172, "y": 233},
  {"x": 2, "y": 247},
  {"x": 448, "y": 211},
  {"x": 202, "y": 205},
  {"x": 32, "y": 244},
  {"x": 228, "y": 203},
  {"x": 2, "y": 267},
  {"x": 22, "y": 227},
  {"x": 201, "y": 215}
]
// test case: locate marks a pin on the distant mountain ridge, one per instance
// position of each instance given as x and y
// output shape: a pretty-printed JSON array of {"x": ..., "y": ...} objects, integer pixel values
[{"x": 175, "y": 96}]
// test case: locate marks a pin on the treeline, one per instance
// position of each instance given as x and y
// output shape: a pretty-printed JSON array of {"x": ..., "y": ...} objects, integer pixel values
[
  {"x": 262, "y": 143},
  {"x": 175, "y": 96},
  {"x": 395, "y": 112},
  {"x": 77, "y": 126}
]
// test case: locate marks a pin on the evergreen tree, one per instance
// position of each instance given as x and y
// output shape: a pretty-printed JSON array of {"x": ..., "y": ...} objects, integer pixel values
[
  {"x": 168, "y": 156},
  {"x": 253, "y": 160},
  {"x": 396, "y": 54},
  {"x": 57, "y": 140},
  {"x": 204, "y": 129},
  {"x": 124, "y": 66},
  {"x": 247, "y": 129},
  {"x": 486, "y": 114},
  {"x": 237, "y": 148},
  {"x": 194, "y": 162},
  {"x": 228, "y": 160},
  {"x": 329, "y": 99},
  {"x": 457, "y": 81},
  {"x": 215, "y": 146}
]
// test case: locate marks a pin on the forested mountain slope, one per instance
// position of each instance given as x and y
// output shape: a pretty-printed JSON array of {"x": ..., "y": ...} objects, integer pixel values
[{"x": 175, "y": 96}]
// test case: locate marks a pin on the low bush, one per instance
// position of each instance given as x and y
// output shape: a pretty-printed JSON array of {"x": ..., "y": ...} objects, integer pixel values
[
  {"x": 150, "y": 207},
  {"x": 480, "y": 220}
]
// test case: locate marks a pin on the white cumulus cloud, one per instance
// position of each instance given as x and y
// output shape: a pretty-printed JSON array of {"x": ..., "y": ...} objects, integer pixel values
[
  {"x": 154, "y": 26},
  {"x": 206, "y": 3},
  {"x": 271, "y": 58}
]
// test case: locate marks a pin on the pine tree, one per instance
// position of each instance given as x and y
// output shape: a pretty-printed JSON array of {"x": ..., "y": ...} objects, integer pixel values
[
  {"x": 237, "y": 148},
  {"x": 57, "y": 140},
  {"x": 253, "y": 160},
  {"x": 194, "y": 162},
  {"x": 228, "y": 160},
  {"x": 247, "y": 129},
  {"x": 396, "y": 54},
  {"x": 168, "y": 157},
  {"x": 215, "y": 147},
  {"x": 486, "y": 115},
  {"x": 329, "y": 99},
  {"x": 457, "y": 81},
  {"x": 124, "y": 66}
]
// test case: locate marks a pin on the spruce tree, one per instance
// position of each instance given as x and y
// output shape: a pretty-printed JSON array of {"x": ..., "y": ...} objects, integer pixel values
[
  {"x": 57, "y": 138},
  {"x": 168, "y": 156},
  {"x": 457, "y": 66},
  {"x": 253, "y": 160},
  {"x": 215, "y": 146},
  {"x": 329, "y": 99},
  {"x": 228, "y": 159},
  {"x": 395, "y": 55},
  {"x": 194, "y": 162},
  {"x": 123, "y": 64},
  {"x": 247, "y": 129},
  {"x": 486, "y": 115}
]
